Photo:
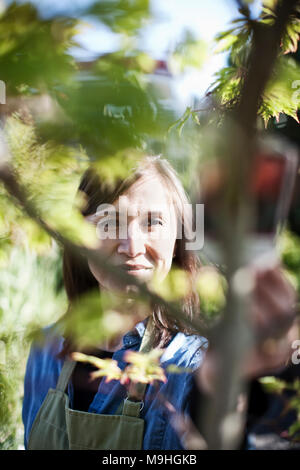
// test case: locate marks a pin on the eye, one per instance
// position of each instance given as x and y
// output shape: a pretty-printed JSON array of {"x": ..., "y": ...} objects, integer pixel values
[
  {"x": 153, "y": 221},
  {"x": 107, "y": 223}
]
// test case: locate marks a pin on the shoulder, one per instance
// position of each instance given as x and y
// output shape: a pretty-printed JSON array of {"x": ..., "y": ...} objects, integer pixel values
[
  {"x": 48, "y": 342},
  {"x": 43, "y": 366},
  {"x": 186, "y": 350},
  {"x": 42, "y": 372}
]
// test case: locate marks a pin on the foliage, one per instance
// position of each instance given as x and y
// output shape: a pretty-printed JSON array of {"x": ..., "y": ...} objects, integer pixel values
[
  {"x": 176, "y": 285},
  {"x": 189, "y": 52},
  {"x": 279, "y": 94},
  {"x": 211, "y": 288},
  {"x": 107, "y": 367},
  {"x": 289, "y": 41},
  {"x": 106, "y": 114},
  {"x": 277, "y": 386},
  {"x": 144, "y": 367},
  {"x": 97, "y": 317},
  {"x": 33, "y": 51},
  {"x": 288, "y": 247},
  {"x": 289, "y": 251},
  {"x": 31, "y": 298},
  {"x": 111, "y": 110},
  {"x": 50, "y": 173},
  {"x": 122, "y": 16}
]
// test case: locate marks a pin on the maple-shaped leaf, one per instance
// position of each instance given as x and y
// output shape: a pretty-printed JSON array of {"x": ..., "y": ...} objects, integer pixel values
[
  {"x": 144, "y": 367},
  {"x": 107, "y": 367},
  {"x": 174, "y": 369}
]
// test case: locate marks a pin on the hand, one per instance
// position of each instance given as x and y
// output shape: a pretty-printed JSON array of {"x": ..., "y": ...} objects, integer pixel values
[
  {"x": 272, "y": 316},
  {"x": 273, "y": 304}
]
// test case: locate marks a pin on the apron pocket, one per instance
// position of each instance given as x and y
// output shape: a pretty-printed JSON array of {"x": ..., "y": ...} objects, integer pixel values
[
  {"x": 103, "y": 432},
  {"x": 48, "y": 431}
]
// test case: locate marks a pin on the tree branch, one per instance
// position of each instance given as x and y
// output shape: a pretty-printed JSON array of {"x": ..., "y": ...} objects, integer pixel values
[{"x": 223, "y": 426}]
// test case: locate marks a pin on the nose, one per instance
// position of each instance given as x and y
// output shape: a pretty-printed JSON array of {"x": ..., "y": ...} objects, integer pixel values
[{"x": 134, "y": 244}]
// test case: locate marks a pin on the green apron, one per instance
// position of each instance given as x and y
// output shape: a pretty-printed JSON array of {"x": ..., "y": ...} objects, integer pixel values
[{"x": 58, "y": 427}]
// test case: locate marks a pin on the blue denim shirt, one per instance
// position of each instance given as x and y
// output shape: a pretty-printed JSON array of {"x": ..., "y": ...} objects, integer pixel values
[{"x": 186, "y": 351}]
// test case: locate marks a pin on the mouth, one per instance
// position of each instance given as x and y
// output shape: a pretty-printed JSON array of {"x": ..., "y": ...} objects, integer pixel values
[{"x": 137, "y": 269}]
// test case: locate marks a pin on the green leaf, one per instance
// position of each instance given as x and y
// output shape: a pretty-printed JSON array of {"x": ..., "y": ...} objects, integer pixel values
[
  {"x": 272, "y": 384},
  {"x": 237, "y": 40},
  {"x": 280, "y": 96},
  {"x": 92, "y": 321},
  {"x": 144, "y": 367},
  {"x": 106, "y": 367},
  {"x": 179, "y": 123},
  {"x": 294, "y": 429},
  {"x": 174, "y": 369},
  {"x": 118, "y": 166},
  {"x": 195, "y": 118},
  {"x": 225, "y": 41},
  {"x": 122, "y": 16},
  {"x": 190, "y": 52},
  {"x": 34, "y": 51},
  {"x": 175, "y": 286},
  {"x": 211, "y": 288}
]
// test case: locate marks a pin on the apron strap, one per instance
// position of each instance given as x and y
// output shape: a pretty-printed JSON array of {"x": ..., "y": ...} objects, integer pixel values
[
  {"x": 137, "y": 390},
  {"x": 132, "y": 403},
  {"x": 147, "y": 340},
  {"x": 132, "y": 408},
  {"x": 65, "y": 375}
]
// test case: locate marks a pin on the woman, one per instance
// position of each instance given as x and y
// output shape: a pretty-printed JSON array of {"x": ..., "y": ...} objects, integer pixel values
[{"x": 58, "y": 413}]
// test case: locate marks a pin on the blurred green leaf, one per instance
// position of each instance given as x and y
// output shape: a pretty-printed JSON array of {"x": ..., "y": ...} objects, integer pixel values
[
  {"x": 50, "y": 173},
  {"x": 179, "y": 123},
  {"x": 174, "y": 369},
  {"x": 272, "y": 384},
  {"x": 122, "y": 16},
  {"x": 113, "y": 108},
  {"x": 288, "y": 247},
  {"x": 294, "y": 429},
  {"x": 190, "y": 52},
  {"x": 175, "y": 286},
  {"x": 144, "y": 367},
  {"x": 279, "y": 94},
  {"x": 211, "y": 288},
  {"x": 106, "y": 367},
  {"x": 34, "y": 51},
  {"x": 119, "y": 166},
  {"x": 289, "y": 42},
  {"x": 92, "y": 320}
]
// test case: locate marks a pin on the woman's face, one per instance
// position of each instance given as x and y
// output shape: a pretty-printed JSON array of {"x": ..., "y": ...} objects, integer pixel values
[{"x": 141, "y": 230}]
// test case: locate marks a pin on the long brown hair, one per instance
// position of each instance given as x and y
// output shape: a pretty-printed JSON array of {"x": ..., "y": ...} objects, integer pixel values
[{"x": 78, "y": 278}]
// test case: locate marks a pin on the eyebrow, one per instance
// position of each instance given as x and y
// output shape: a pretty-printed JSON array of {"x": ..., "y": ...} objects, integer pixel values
[
  {"x": 109, "y": 212},
  {"x": 154, "y": 213}
]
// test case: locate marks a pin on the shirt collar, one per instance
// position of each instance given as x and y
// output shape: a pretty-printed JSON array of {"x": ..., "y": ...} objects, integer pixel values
[
  {"x": 135, "y": 336},
  {"x": 132, "y": 338}
]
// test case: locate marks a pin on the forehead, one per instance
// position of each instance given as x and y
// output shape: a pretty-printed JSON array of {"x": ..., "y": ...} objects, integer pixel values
[{"x": 149, "y": 192}]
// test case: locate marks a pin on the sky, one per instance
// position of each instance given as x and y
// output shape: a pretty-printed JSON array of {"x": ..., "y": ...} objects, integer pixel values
[{"x": 171, "y": 17}]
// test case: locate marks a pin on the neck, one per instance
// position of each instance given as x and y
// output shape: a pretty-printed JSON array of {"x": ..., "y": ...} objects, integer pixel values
[{"x": 127, "y": 306}]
